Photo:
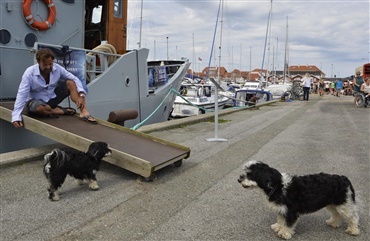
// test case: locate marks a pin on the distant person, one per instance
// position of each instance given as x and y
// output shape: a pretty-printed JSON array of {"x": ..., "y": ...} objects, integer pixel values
[
  {"x": 327, "y": 88},
  {"x": 44, "y": 86},
  {"x": 306, "y": 83},
  {"x": 314, "y": 88},
  {"x": 338, "y": 87},
  {"x": 321, "y": 87},
  {"x": 357, "y": 82},
  {"x": 332, "y": 87}
]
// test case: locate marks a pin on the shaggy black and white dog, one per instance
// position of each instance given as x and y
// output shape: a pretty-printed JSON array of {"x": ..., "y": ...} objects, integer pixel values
[
  {"x": 292, "y": 196},
  {"x": 80, "y": 165}
]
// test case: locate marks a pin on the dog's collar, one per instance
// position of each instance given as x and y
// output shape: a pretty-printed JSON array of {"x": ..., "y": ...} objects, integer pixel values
[{"x": 270, "y": 193}]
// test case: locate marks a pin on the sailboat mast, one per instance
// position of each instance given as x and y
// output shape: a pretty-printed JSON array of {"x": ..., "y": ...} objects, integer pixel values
[
  {"x": 269, "y": 44},
  {"x": 287, "y": 47},
  {"x": 240, "y": 66},
  {"x": 285, "y": 54},
  {"x": 219, "y": 57},
  {"x": 141, "y": 22},
  {"x": 250, "y": 63},
  {"x": 273, "y": 62},
  {"x": 264, "y": 48},
  {"x": 193, "y": 59},
  {"x": 154, "y": 49},
  {"x": 276, "y": 56}
]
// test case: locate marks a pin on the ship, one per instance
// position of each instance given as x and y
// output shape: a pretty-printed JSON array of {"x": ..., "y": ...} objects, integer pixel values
[{"x": 89, "y": 39}]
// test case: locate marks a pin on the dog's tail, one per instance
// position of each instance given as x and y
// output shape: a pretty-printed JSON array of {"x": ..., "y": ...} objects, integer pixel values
[
  {"x": 350, "y": 190},
  {"x": 54, "y": 161}
]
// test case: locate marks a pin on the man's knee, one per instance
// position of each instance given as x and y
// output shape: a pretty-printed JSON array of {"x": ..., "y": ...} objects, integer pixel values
[
  {"x": 35, "y": 106},
  {"x": 71, "y": 85}
]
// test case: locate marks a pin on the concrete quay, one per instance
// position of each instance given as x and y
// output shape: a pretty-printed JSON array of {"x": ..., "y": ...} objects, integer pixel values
[{"x": 201, "y": 200}]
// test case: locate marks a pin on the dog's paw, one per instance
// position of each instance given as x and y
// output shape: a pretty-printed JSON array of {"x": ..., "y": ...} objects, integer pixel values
[
  {"x": 54, "y": 197},
  {"x": 353, "y": 231},
  {"x": 333, "y": 223},
  {"x": 94, "y": 185},
  {"x": 276, "y": 227},
  {"x": 285, "y": 233}
]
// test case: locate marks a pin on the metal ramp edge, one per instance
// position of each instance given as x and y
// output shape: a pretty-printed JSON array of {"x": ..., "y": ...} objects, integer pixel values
[{"x": 134, "y": 151}]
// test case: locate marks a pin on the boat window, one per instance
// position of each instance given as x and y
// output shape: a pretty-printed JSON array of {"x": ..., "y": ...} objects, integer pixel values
[
  {"x": 30, "y": 40},
  {"x": 127, "y": 81},
  {"x": 96, "y": 15},
  {"x": 117, "y": 8},
  {"x": 4, "y": 36}
]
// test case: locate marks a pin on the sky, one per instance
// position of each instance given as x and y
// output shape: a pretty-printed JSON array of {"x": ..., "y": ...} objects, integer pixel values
[{"x": 333, "y": 35}]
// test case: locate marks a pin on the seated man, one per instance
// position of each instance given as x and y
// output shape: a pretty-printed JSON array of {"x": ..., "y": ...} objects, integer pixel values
[
  {"x": 365, "y": 87},
  {"x": 45, "y": 85}
]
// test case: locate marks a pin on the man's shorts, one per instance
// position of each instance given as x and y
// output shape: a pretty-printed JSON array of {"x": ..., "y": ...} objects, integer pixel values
[{"x": 61, "y": 92}]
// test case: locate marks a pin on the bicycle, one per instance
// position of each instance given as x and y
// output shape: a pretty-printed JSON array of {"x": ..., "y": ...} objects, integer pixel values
[
  {"x": 296, "y": 94},
  {"x": 362, "y": 100}
]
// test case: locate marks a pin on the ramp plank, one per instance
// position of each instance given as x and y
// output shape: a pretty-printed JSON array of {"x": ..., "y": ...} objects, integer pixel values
[{"x": 132, "y": 150}]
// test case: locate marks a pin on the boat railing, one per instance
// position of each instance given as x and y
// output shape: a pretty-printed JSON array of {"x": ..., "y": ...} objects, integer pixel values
[{"x": 91, "y": 63}]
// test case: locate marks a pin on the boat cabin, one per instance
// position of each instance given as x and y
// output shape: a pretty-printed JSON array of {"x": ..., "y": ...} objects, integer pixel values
[{"x": 106, "y": 21}]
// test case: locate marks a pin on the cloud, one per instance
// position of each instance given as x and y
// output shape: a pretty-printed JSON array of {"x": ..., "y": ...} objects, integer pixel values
[{"x": 324, "y": 33}]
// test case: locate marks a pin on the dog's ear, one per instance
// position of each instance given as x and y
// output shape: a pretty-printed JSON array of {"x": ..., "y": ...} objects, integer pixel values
[{"x": 96, "y": 153}]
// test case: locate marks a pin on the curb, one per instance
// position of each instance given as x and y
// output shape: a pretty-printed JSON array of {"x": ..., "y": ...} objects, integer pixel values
[{"x": 26, "y": 155}]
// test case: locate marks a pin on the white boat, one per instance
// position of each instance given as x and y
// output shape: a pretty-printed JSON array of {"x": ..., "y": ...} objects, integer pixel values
[
  {"x": 196, "y": 99},
  {"x": 278, "y": 90},
  {"x": 90, "y": 38},
  {"x": 248, "y": 97},
  {"x": 254, "y": 85}
]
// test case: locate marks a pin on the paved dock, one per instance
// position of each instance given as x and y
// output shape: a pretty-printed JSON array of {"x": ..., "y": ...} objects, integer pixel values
[{"x": 202, "y": 200}]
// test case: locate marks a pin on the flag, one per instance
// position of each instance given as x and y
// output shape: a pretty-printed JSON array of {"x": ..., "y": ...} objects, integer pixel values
[{"x": 200, "y": 59}]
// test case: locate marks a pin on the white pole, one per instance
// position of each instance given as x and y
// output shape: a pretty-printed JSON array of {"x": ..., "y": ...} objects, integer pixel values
[{"x": 216, "y": 88}]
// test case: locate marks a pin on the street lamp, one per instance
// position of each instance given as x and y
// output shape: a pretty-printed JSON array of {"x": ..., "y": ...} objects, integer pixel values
[
  {"x": 167, "y": 48},
  {"x": 331, "y": 71}
]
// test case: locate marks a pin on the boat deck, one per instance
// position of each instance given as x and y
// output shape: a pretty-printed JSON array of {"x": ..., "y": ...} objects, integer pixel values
[{"x": 131, "y": 150}]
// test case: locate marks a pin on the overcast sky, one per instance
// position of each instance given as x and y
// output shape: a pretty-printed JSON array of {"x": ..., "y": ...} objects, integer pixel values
[{"x": 331, "y": 34}]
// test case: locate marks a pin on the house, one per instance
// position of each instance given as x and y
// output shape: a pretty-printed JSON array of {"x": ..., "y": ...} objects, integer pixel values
[
  {"x": 213, "y": 72},
  {"x": 295, "y": 72},
  {"x": 303, "y": 69}
]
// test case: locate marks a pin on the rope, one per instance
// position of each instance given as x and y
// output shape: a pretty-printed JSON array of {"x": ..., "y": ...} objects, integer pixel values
[
  {"x": 106, "y": 48},
  {"x": 169, "y": 92},
  {"x": 178, "y": 94},
  {"x": 141, "y": 123},
  {"x": 201, "y": 108}
]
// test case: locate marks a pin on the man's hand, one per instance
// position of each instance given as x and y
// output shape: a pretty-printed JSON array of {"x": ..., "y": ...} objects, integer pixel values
[
  {"x": 80, "y": 103},
  {"x": 17, "y": 124}
]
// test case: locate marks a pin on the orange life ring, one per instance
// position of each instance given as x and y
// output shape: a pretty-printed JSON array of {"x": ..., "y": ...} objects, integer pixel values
[{"x": 37, "y": 25}]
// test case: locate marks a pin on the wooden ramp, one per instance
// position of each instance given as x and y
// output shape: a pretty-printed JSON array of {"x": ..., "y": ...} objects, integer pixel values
[{"x": 131, "y": 150}]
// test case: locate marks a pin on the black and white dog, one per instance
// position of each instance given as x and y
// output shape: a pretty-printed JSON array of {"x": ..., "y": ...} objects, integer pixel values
[
  {"x": 292, "y": 196},
  {"x": 80, "y": 165}
]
